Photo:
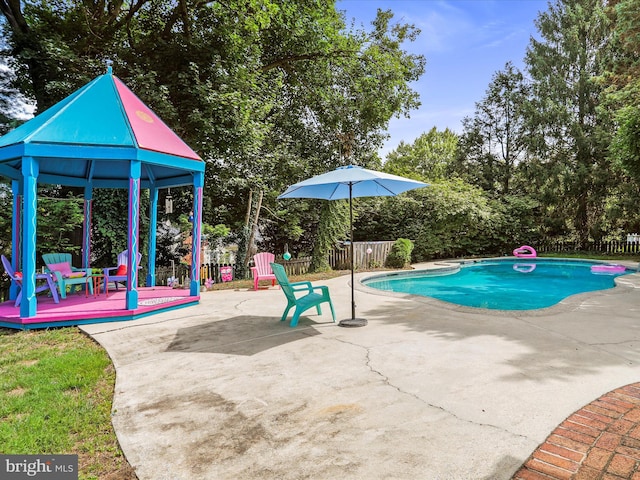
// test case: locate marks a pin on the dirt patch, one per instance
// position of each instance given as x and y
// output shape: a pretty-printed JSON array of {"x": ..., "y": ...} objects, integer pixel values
[
  {"x": 16, "y": 392},
  {"x": 29, "y": 363},
  {"x": 109, "y": 467}
]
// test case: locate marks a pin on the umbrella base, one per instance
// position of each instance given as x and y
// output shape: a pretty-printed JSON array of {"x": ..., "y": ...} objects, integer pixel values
[{"x": 353, "y": 322}]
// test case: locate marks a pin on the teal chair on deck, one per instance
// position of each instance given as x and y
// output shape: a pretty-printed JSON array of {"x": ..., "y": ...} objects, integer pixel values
[
  {"x": 304, "y": 302},
  {"x": 59, "y": 264}
]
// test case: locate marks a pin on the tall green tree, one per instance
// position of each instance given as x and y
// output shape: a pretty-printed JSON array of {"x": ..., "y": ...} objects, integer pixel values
[
  {"x": 333, "y": 217},
  {"x": 339, "y": 109},
  {"x": 569, "y": 135},
  {"x": 493, "y": 142},
  {"x": 55, "y": 48},
  {"x": 622, "y": 81}
]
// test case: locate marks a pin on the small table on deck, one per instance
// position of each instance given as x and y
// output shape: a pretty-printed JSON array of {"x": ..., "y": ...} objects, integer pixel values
[{"x": 95, "y": 278}]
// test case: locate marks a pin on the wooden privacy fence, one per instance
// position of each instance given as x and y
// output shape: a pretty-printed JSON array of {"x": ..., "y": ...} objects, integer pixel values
[
  {"x": 366, "y": 254},
  {"x": 295, "y": 266}
]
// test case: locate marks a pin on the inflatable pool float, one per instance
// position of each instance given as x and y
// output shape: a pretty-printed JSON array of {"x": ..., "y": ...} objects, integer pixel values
[
  {"x": 609, "y": 268},
  {"x": 525, "y": 251}
]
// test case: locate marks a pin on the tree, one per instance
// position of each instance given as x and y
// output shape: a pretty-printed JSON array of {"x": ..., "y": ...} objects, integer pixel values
[
  {"x": 267, "y": 92},
  {"x": 569, "y": 134},
  {"x": 622, "y": 81},
  {"x": 56, "y": 48},
  {"x": 170, "y": 246},
  {"x": 429, "y": 158},
  {"x": 109, "y": 224},
  {"x": 493, "y": 142},
  {"x": 446, "y": 219},
  {"x": 334, "y": 215},
  {"x": 339, "y": 114}
]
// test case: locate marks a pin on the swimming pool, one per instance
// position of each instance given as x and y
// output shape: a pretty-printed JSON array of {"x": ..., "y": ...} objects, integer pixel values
[{"x": 501, "y": 284}]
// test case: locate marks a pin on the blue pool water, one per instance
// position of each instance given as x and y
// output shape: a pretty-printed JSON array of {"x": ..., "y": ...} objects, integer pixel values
[{"x": 502, "y": 284}]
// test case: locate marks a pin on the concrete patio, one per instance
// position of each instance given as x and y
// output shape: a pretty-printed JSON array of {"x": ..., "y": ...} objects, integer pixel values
[{"x": 224, "y": 390}]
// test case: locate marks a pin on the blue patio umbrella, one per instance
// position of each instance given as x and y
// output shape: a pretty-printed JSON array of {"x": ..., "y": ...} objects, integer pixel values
[{"x": 348, "y": 182}]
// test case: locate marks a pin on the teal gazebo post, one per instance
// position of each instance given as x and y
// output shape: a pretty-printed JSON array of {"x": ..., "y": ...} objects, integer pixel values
[
  {"x": 133, "y": 246},
  {"x": 86, "y": 226},
  {"x": 196, "y": 233},
  {"x": 153, "y": 227},
  {"x": 16, "y": 189},
  {"x": 28, "y": 305}
]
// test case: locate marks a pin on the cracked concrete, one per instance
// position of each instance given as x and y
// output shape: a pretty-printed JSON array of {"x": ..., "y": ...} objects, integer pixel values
[{"x": 224, "y": 390}]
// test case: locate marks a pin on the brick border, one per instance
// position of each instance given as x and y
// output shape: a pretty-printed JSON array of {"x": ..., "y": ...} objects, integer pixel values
[{"x": 601, "y": 441}]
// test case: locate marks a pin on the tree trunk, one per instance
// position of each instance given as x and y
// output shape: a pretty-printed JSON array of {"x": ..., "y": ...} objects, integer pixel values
[{"x": 254, "y": 228}]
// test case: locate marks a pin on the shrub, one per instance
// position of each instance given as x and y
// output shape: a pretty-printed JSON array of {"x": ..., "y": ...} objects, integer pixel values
[{"x": 400, "y": 254}]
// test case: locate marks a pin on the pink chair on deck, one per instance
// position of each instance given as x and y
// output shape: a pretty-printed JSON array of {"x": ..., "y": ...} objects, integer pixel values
[{"x": 262, "y": 269}]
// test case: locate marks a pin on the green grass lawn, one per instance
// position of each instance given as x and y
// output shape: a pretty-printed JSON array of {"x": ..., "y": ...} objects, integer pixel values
[{"x": 56, "y": 389}]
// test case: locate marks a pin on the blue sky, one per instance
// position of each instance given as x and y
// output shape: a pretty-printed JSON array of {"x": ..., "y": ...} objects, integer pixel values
[{"x": 465, "y": 42}]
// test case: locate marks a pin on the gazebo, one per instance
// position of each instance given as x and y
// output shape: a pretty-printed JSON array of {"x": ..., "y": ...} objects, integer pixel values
[{"x": 101, "y": 136}]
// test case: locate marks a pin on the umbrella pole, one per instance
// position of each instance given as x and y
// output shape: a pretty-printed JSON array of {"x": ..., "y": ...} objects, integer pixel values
[
  {"x": 353, "y": 267},
  {"x": 353, "y": 321}
]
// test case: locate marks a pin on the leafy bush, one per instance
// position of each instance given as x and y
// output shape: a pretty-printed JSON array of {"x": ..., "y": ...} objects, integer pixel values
[{"x": 400, "y": 254}]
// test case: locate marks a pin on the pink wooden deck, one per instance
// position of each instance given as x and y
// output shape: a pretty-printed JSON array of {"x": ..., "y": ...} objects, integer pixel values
[{"x": 79, "y": 309}]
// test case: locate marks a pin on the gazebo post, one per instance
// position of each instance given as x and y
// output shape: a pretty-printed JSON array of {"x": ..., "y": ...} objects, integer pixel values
[
  {"x": 86, "y": 226},
  {"x": 28, "y": 305},
  {"x": 135, "y": 169},
  {"x": 153, "y": 225},
  {"x": 198, "y": 183},
  {"x": 15, "y": 236}
]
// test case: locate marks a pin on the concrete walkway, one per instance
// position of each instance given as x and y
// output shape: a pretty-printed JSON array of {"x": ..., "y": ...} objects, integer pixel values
[{"x": 224, "y": 390}]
